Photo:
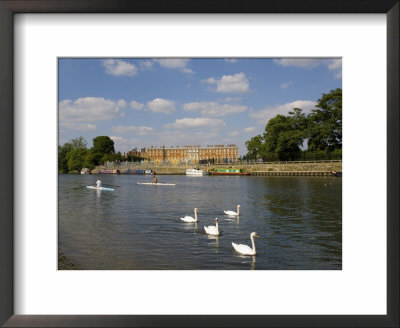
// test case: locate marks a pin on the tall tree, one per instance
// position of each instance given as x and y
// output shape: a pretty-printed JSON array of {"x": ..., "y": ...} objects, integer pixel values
[
  {"x": 79, "y": 143},
  {"x": 103, "y": 145},
  {"x": 284, "y": 135},
  {"x": 325, "y": 123},
  {"x": 255, "y": 147},
  {"x": 102, "y": 150},
  {"x": 76, "y": 159},
  {"x": 62, "y": 157}
]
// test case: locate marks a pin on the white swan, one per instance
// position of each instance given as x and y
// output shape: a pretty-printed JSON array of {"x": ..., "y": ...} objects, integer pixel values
[
  {"x": 244, "y": 249},
  {"x": 232, "y": 213},
  {"x": 190, "y": 219},
  {"x": 212, "y": 230}
]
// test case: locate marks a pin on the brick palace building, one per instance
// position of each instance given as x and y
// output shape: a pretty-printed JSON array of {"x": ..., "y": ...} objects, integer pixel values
[{"x": 189, "y": 154}]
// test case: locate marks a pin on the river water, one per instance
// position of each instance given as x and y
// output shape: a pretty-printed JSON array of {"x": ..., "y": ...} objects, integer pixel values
[{"x": 298, "y": 219}]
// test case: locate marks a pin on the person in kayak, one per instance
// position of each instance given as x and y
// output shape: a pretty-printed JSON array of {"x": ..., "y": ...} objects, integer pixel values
[
  {"x": 98, "y": 183},
  {"x": 154, "y": 180}
]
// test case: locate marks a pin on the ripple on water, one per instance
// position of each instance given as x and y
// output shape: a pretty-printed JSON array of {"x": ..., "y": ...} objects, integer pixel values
[{"x": 139, "y": 226}]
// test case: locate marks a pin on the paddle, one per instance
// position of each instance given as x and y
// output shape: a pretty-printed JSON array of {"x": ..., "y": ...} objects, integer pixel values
[
  {"x": 79, "y": 187},
  {"x": 106, "y": 184}
]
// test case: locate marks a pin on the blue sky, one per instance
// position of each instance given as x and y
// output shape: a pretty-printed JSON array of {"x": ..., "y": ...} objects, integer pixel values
[{"x": 143, "y": 102}]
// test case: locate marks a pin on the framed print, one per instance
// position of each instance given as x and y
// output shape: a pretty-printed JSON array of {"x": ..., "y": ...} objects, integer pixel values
[{"x": 43, "y": 46}]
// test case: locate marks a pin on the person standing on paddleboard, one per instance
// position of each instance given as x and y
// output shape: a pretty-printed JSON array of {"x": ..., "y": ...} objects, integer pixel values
[
  {"x": 154, "y": 180},
  {"x": 98, "y": 183}
]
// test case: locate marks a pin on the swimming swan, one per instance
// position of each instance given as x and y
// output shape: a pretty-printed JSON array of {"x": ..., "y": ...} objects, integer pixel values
[
  {"x": 212, "y": 230},
  {"x": 190, "y": 219},
  {"x": 232, "y": 213},
  {"x": 244, "y": 249}
]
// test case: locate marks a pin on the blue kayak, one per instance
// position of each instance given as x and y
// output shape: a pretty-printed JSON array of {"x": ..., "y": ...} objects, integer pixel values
[{"x": 100, "y": 188}]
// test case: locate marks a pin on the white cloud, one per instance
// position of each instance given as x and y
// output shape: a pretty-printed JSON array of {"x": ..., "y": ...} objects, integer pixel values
[
  {"x": 118, "y": 67},
  {"x": 233, "y": 99},
  {"x": 175, "y": 63},
  {"x": 135, "y": 105},
  {"x": 286, "y": 84},
  {"x": 79, "y": 126},
  {"x": 209, "y": 108},
  {"x": 146, "y": 64},
  {"x": 249, "y": 129},
  {"x": 237, "y": 83},
  {"x": 298, "y": 62},
  {"x": 139, "y": 130},
  {"x": 89, "y": 109},
  {"x": 334, "y": 65},
  {"x": 114, "y": 138},
  {"x": 121, "y": 103},
  {"x": 230, "y": 60},
  {"x": 123, "y": 145},
  {"x": 264, "y": 115},
  {"x": 186, "y": 123},
  {"x": 159, "y": 105}
]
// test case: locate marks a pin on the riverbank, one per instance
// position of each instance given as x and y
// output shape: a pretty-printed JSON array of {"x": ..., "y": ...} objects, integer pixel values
[{"x": 272, "y": 168}]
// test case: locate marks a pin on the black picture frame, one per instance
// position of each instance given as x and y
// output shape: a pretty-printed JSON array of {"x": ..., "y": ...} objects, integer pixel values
[{"x": 10, "y": 7}]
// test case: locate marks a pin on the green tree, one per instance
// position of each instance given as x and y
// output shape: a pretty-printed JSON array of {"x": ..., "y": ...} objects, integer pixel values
[
  {"x": 102, "y": 150},
  {"x": 255, "y": 147},
  {"x": 325, "y": 123},
  {"x": 89, "y": 160},
  {"x": 284, "y": 135},
  {"x": 75, "y": 159},
  {"x": 78, "y": 143},
  {"x": 62, "y": 157},
  {"x": 103, "y": 145}
]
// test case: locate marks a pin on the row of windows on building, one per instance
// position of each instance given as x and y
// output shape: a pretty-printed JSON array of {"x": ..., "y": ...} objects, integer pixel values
[{"x": 185, "y": 153}]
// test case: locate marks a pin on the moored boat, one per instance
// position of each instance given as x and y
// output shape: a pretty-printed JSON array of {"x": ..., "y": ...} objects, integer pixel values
[
  {"x": 229, "y": 172},
  {"x": 196, "y": 172}
]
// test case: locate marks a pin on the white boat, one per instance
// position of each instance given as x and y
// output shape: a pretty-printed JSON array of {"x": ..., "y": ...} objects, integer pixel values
[
  {"x": 156, "y": 183},
  {"x": 100, "y": 188},
  {"x": 196, "y": 172}
]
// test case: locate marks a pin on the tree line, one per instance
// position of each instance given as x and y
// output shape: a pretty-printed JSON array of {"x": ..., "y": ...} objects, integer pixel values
[
  {"x": 298, "y": 136},
  {"x": 75, "y": 155}
]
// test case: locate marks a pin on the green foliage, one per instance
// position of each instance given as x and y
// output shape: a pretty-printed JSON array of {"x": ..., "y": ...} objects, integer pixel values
[
  {"x": 325, "y": 123},
  {"x": 62, "y": 157},
  {"x": 79, "y": 143},
  {"x": 89, "y": 160},
  {"x": 133, "y": 158},
  {"x": 285, "y": 135},
  {"x": 103, "y": 145},
  {"x": 75, "y": 159},
  {"x": 74, "y": 155},
  {"x": 254, "y": 147},
  {"x": 102, "y": 150}
]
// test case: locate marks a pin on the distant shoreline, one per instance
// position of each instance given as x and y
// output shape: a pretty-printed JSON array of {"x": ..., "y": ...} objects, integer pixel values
[{"x": 271, "y": 168}]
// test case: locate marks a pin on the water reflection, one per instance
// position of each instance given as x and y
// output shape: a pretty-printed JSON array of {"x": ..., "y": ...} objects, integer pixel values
[
  {"x": 215, "y": 238},
  {"x": 139, "y": 227}
]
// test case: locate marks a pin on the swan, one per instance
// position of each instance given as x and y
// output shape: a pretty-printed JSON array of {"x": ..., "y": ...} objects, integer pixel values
[
  {"x": 212, "y": 230},
  {"x": 244, "y": 249},
  {"x": 190, "y": 219},
  {"x": 232, "y": 213}
]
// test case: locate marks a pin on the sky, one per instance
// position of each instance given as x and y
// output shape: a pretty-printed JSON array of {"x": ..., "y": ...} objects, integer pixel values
[{"x": 144, "y": 102}]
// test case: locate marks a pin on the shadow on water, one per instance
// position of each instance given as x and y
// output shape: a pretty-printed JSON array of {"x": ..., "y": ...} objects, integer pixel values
[{"x": 299, "y": 220}]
